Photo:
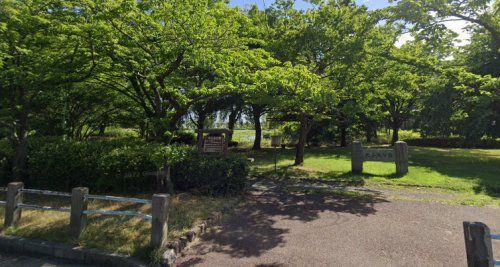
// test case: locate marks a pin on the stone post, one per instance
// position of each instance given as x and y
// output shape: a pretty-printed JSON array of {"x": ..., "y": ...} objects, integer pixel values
[
  {"x": 14, "y": 197},
  {"x": 357, "y": 157},
  {"x": 478, "y": 245},
  {"x": 159, "y": 223},
  {"x": 78, "y": 219},
  {"x": 401, "y": 153}
]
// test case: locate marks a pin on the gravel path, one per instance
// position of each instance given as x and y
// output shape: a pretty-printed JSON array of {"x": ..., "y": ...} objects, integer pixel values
[{"x": 278, "y": 228}]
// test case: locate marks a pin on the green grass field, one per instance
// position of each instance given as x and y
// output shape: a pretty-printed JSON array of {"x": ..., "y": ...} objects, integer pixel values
[{"x": 475, "y": 173}]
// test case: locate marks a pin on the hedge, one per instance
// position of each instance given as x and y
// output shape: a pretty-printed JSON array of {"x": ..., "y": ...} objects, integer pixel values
[
  {"x": 121, "y": 166},
  {"x": 452, "y": 142}
]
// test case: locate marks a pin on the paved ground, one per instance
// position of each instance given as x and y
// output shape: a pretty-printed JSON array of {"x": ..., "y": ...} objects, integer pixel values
[
  {"x": 276, "y": 228},
  {"x": 33, "y": 261}
]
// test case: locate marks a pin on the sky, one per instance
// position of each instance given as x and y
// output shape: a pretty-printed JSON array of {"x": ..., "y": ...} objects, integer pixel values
[
  {"x": 371, "y": 4},
  {"x": 456, "y": 26}
]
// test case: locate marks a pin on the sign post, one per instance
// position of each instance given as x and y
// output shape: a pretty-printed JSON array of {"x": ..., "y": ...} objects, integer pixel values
[{"x": 275, "y": 142}]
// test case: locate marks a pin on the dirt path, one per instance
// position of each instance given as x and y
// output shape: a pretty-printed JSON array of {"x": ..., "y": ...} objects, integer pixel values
[{"x": 278, "y": 228}]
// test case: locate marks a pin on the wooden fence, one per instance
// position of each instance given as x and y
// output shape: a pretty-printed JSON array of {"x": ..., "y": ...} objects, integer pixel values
[{"x": 78, "y": 212}]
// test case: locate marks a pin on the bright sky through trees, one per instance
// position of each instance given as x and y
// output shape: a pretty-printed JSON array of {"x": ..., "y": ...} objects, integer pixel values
[
  {"x": 457, "y": 26},
  {"x": 372, "y": 4}
]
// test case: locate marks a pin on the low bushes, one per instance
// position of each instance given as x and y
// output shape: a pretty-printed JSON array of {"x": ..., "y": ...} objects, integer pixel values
[
  {"x": 208, "y": 175},
  {"x": 452, "y": 142},
  {"x": 122, "y": 166}
]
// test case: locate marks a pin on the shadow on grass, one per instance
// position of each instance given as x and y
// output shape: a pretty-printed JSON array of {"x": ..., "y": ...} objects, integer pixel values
[
  {"x": 482, "y": 166},
  {"x": 268, "y": 216}
]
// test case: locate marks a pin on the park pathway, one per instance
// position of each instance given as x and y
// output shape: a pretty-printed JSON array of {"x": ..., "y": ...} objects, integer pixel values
[{"x": 278, "y": 228}]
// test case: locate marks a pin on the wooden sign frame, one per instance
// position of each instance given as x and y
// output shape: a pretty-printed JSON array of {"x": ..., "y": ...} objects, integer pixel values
[{"x": 225, "y": 142}]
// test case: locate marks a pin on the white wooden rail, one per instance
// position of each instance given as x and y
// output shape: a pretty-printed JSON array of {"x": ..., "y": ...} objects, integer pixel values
[{"x": 79, "y": 212}]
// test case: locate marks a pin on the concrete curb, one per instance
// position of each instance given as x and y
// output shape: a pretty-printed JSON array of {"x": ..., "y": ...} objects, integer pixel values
[{"x": 21, "y": 245}]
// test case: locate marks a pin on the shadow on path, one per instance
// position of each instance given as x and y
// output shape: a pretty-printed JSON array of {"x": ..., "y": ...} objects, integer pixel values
[{"x": 254, "y": 229}]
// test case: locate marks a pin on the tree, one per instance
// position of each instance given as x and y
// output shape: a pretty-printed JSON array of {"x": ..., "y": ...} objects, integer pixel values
[
  {"x": 426, "y": 17},
  {"x": 162, "y": 53},
  {"x": 43, "y": 45},
  {"x": 400, "y": 86}
]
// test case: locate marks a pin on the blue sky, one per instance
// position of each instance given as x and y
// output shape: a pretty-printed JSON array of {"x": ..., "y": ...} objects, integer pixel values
[{"x": 372, "y": 4}]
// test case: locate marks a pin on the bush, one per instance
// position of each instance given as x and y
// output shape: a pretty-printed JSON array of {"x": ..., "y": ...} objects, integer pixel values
[
  {"x": 121, "y": 166},
  {"x": 233, "y": 144},
  {"x": 5, "y": 156},
  {"x": 187, "y": 138},
  {"x": 208, "y": 175},
  {"x": 452, "y": 142},
  {"x": 103, "y": 166}
]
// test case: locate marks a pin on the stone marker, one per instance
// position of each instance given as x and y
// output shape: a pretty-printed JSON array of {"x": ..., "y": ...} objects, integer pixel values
[
  {"x": 401, "y": 151},
  {"x": 78, "y": 220},
  {"x": 398, "y": 155},
  {"x": 357, "y": 157},
  {"x": 159, "y": 223},
  {"x": 14, "y": 197}
]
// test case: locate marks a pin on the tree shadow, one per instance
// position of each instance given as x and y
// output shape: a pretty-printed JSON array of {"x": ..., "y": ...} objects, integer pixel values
[{"x": 254, "y": 228}]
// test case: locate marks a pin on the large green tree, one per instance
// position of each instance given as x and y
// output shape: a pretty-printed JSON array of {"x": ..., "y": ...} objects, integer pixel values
[{"x": 43, "y": 45}]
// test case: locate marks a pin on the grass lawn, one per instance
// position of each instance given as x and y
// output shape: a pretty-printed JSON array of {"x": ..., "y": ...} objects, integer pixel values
[
  {"x": 473, "y": 173},
  {"x": 115, "y": 234}
]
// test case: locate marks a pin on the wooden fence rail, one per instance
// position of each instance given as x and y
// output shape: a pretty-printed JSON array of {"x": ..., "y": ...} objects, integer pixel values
[
  {"x": 79, "y": 212},
  {"x": 478, "y": 245}
]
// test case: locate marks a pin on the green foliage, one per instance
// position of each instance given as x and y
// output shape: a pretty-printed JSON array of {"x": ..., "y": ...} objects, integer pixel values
[
  {"x": 453, "y": 142},
  {"x": 121, "y": 166},
  {"x": 103, "y": 166},
  {"x": 185, "y": 137},
  {"x": 226, "y": 175}
]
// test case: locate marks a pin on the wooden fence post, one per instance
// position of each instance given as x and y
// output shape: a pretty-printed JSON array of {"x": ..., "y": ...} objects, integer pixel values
[
  {"x": 478, "y": 245},
  {"x": 357, "y": 157},
  {"x": 159, "y": 222},
  {"x": 401, "y": 153},
  {"x": 14, "y": 197},
  {"x": 78, "y": 219}
]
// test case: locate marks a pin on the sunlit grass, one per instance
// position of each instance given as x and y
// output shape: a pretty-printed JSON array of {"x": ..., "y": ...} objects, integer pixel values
[
  {"x": 113, "y": 233},
  {"x": 474, "y": 172}
]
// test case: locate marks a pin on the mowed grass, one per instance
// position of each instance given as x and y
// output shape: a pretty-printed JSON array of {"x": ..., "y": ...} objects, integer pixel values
[
  {"x": 474, "y": 172},
  {"x": 119, "y": 234}
]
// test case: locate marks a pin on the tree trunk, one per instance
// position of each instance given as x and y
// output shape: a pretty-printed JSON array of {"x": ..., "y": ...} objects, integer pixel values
[
  {"x": 232, "y": 122},
  {"x": 21, "y": 149},
  {"x": 257, "y": 112},
  {"x": 200, "y": 123},
  {"x": 371, "y": 132},
  {"x": 395, "y": 133},
  {"x": 102, "y": 130},
  {"x": 343, "y": 135},
  {"x": 305, "y": 127}
]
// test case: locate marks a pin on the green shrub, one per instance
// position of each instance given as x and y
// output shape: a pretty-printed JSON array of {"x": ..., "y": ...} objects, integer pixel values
[
  {"x": 103, "y": 166},
  {"x": 184, "y": 137},
  {"x": 122, "y": 166},
  {"x": 208, "y": 175},
  {"x": 5, "y": 156},
  {"x": 453, "y": 142}
]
